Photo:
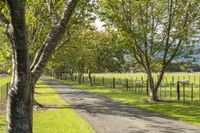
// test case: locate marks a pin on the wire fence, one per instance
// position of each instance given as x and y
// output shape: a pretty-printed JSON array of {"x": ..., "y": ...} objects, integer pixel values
[{"x": 180, "y": 90}]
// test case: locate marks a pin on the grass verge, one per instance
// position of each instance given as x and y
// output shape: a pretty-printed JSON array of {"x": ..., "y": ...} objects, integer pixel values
[
  {"x": 56, "y": 117},
  {"x": 189, "y": 113},
  {"x": 5, "y": 80}
]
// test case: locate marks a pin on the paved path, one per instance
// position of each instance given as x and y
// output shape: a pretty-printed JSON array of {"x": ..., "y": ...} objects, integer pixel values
[{"x": 106, "y": 116}]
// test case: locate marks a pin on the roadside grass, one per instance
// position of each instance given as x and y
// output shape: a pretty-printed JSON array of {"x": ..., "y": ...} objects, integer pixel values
[
  {"x": 56, "y": 116},
  {"x": 4, "y": 80},
  {"x": 189, "y": 112},
  {"x": 3, "y": 86}
]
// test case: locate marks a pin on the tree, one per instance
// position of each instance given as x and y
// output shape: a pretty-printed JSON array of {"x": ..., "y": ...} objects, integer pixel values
[
  {"x": 157, "y": 31},
  {"x": 24, "y": 73},
  {"x": 92, "y": 51}
]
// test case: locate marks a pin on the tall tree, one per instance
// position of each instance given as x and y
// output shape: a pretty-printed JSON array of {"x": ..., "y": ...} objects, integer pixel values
[
  {"x": 24, "y": 73},
  {"x": 157, "y": 31}
]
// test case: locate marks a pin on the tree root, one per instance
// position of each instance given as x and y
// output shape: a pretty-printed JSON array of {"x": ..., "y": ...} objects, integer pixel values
[{"x": 35, "y": 103}]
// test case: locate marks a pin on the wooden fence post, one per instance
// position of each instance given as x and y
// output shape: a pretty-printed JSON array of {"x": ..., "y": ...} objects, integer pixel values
[
  {"x": 199, "y": 88},
  {"x": 94, "y": 80},
  {"x": 165, "y": 90},
  {"x": 1, "y": 91},
  {"x": 102, "y": 81},
  {"x": 192, "y": 92},
  {"x": 113, "y": 82},
  {"x": 7, "y": 89},
  {"x": 83, "y": 79},
  {"x": 147, "y": 88},
  {"x": 178, "y": 91},
  {"x": 170, "y": 90},
  {"x": 160, "y": 90},
  {"x": 126, "y": 84},
  {"x": 183, "y": 92}
]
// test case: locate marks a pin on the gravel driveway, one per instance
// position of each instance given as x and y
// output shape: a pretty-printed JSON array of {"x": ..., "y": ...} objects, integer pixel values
[{"x": 106, "y": 116}]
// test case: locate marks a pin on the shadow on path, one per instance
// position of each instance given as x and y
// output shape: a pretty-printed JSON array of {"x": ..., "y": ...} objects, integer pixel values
[{"x": 107, "y": 116}]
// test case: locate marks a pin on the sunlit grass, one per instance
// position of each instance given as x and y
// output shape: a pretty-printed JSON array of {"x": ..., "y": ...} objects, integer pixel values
[
  {"x": 3, "y": 87},
  {"x": 58, "y": 118},
  {"x": 5, "y": 80}
]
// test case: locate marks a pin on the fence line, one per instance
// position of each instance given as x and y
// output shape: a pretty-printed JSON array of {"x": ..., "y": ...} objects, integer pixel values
[{"x": 180, "y": 90}]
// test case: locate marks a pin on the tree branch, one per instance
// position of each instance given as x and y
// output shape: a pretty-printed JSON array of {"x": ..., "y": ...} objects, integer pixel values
[
  {"x": 3, "y": 19},
  {"x": 52, "y": 40}
]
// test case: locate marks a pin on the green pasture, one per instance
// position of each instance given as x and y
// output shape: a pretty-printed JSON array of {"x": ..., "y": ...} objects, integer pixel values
[{"x": 168, "y": 77}]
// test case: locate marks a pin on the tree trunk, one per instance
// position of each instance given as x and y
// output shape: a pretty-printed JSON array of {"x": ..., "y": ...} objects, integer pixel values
[
  {"x": 20, "y": 108},
  {"x": 154, "y": 94},
  {"x": 20, "y": 97},
  {"x": 24, "y": 77},
  {"x": 153, "y": 91},
  {"x": 154, "y": 87},
  {"x": 79, "y": 78},
  {"x": 89, "y": 78},
  {"x": 71, "y": 73}
]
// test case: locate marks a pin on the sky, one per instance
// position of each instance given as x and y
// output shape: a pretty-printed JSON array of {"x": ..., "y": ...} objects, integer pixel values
[{"x": 99, "y": 24}]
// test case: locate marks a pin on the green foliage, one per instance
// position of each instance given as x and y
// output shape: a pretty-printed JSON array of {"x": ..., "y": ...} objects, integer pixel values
[
  {"x": 156, "y": 31},
  {"x": 89, "y": 49}
]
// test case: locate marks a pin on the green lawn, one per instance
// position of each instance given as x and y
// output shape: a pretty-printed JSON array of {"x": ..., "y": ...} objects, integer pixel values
[
  {"x": 186, "y": 112},
  {"x": 58, "y": 118},
  {"x": 4, "y": 80}
]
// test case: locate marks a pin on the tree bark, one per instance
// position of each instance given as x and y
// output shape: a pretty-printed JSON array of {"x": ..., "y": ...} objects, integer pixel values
[
  {"x": 154, "y": 86},
  {"x": 153, "y": 91},
  {"x": 52, "y": 40},
  {"x": 19, "y": 107}
]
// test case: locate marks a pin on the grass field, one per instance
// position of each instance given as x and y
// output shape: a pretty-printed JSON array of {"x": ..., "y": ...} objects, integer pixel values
[
  {"x": 168, "y": 77},
  {"x": 188, "y": 112},
  {"x": 57, "y": 117}
]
